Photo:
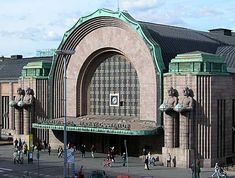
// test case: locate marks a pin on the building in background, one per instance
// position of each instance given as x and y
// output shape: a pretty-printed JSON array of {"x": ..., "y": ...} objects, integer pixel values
[{"x": 129, "y": 80}]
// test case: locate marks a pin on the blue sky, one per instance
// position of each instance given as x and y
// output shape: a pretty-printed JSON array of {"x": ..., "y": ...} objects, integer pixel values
[{"x": 29, "y": 25}]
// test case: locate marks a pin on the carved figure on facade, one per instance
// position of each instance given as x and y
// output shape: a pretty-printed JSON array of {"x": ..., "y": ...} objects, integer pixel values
[
  {"x": 18, "y": 101},
  {"x": 22, "y": 100},
  {"x": 186, "y": 103},
  {"x": 29, "y": 98},
  {"x": 171, "y": 101}
]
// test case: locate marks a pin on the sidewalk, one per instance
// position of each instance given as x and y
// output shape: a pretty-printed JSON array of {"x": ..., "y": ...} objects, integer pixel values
[{"x": 52, "y": 165}]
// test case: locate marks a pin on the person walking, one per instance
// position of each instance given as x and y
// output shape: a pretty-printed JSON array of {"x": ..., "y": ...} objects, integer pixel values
[
  {"x": 216, "y": 170},
  {"x": 49, "y": 149},
  {"x": 174, "y": 161},
  {"x": 146, "y": 164},
  {"x": 44, "y": 145},
  {"x": 124, "y": 159},
  {"x": 20, "y": 143},
  {"x": 196, "y": 169},
  {"x": 144, "y": 153},
  {"x": 25, "y": 148},
  {"x": 112, "y": 154},
  {"x": 168, "y": 160},
  {"x": 93, "y": 149},
  {"x": 60, "y": 151},
  {"x": 16, "y": 143},
  {"x": 83, "y": 150}
]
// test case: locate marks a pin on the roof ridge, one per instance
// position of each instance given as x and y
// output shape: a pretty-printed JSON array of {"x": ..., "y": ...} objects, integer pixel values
[{"x": 164, "y": 25}]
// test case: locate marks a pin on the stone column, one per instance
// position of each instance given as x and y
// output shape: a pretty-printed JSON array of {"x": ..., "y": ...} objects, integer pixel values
[
  {"x": 169, "y": 117},
  {"x": 17, "y": 122},
  {"x": 26, "y": 121},
  {"x": 28, "y": 102},
  {"x": 176, "y": 132},
  {"x": 184, "y": 130},
  {"x": 11, "y": 109},
  {"x": 169, "y": 130}
]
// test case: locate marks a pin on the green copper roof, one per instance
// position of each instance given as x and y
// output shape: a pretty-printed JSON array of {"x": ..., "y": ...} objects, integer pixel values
[
  {"x": 71, "y": 39},
  {"x": 38, "y": 69},
  {"x": 127, "y": 18},
  {"x": 198, "y": 63},
  {"x": 97, "y": 130},
  {"x": 38, "y": 65},
  {"x": 198, "y": 56}
]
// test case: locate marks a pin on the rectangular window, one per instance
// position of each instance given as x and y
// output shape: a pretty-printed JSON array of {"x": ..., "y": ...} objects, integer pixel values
[
  {"x": 5, "y": 112},
  {"x": 233, "y": 130},
  {"x": 221, "y": 118}
]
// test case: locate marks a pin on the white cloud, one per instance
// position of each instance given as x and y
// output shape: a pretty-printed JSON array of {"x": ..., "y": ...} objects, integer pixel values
[
  {"x": 41, "y": 24},
  {"x": 52, "y": 36},
  {"x": 140, "y": 4},
  {"x": 69, "y": 22}
]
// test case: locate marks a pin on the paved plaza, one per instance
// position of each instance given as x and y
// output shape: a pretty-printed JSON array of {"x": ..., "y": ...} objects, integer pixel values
[{"x": 52, "y": 166}]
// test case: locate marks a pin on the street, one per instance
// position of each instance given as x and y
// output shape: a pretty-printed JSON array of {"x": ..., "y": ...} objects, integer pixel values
[{"x": 52, "y": 166}]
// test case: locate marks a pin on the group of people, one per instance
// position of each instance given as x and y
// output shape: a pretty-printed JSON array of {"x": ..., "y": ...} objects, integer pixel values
[
  {"x": 20, "y": 149},
  {"x": 170, "y": 161},
  {"x": 82, "y": 149},
  {"x": 196, "y": 170},
  {"x": 110, "y": 157},
  {"x": 21, "y": 146},
  {"x": 149, "y": 160}
]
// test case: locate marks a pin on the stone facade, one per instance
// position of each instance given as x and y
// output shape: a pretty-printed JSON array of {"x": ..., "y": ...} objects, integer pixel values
[
  {"x": 204, "y": 131},
  {"x": 195, "y": 95}
]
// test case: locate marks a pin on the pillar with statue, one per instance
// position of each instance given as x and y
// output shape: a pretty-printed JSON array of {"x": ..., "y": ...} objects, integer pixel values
[
  {"x": 185, "y": 108},
  {"x": 23, "y": 105},
  {"x": 171, "y": 125},
  {"x": 178, "y": 128}
]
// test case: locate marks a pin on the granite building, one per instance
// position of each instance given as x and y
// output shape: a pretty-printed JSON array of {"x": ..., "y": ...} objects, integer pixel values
[{"x": 164, "y": 88}]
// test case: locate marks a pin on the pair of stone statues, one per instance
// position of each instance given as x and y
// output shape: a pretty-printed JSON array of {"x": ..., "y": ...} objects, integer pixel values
[
  {"x": 172, "y": 104},
  {"x": 23, "y": 100}
]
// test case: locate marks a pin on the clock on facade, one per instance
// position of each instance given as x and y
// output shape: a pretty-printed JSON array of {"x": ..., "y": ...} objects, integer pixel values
[{"x": 114, "y": 99}]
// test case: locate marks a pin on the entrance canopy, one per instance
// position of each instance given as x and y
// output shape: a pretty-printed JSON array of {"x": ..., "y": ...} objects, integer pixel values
[{"x": 102, "y": 124}]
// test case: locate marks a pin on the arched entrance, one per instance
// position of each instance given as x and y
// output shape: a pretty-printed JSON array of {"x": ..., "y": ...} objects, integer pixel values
[
  {"x": 107, "y": 74},
  {"x": 110, "y": 59},
  {"x": 120, "y": 40}
]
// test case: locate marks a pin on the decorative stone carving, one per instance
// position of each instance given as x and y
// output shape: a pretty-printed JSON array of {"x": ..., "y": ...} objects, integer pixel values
[
  {"x": 185, "y": 108},
  {"x": 29, "y": 98},
  {"x": 186, "y": 104},
  {"x": 171, "y": 124},
  {"x": 23, "y": 103},
  {"x": 18, "y": 101},
  {"x": 22, "y": 100},
  {"x": 170, "y": 102}
]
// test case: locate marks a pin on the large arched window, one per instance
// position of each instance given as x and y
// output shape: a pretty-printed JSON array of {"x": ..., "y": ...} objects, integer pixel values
[{"x": 115, "y": 76}]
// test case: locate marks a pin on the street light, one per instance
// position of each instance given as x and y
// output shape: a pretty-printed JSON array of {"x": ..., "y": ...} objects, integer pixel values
[
  {"x": 127, "y": 161},
  {"x": 65, "y": 53}
]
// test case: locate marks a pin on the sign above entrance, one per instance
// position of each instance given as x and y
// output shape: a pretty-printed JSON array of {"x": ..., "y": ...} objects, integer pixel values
[
  {"x": 152, "y": 131},
  {"x": 102, "y": 124}
]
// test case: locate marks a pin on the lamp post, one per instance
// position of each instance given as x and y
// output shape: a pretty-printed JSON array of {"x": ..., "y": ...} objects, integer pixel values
[
  {"x": 127, "y": 161},
  {"x": 64, "y": 54}
]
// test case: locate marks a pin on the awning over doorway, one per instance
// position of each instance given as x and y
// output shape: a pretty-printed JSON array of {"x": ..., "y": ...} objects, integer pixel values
[{"x": 102, "y": 124}]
